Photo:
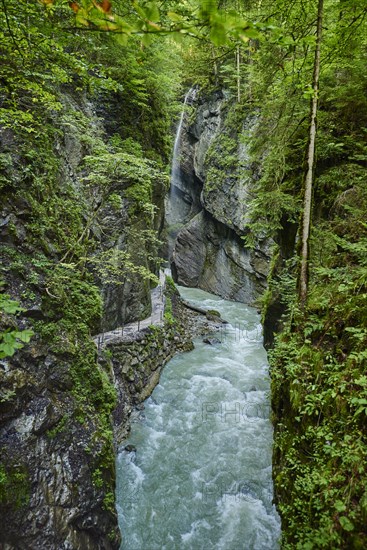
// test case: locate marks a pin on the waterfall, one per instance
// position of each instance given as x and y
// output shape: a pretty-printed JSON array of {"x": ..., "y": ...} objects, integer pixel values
[
  {"x": 174, "y": 211},
  {"x": 175, "y": 169}
]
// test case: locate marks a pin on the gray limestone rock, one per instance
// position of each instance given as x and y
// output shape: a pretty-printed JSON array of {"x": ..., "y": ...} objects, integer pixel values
[
  {"x": 210, "y": 256},
  {"x": 207, "y": 219}
]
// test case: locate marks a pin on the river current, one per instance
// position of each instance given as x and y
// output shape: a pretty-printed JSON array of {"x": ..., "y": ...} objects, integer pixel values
[{"x": 200, "y": 478}]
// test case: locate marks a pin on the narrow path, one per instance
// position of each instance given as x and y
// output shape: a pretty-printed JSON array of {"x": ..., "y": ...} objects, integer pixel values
[{"x": 156, "y": 317}]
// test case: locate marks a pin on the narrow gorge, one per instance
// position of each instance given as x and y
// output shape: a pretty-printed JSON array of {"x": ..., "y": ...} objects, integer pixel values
[
  {"x": 201, "y": 444},
  {"x": 183, "y": 275}
]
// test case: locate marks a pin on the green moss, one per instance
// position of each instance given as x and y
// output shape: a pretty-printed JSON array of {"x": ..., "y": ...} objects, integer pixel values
[
  {"x": 222, "y": 159},
  {"x": 169, "y": 318},
  {"x": 59, "y": 427},
  {"x": 109, "y": 502},
  {"x": 61, "y": 175},
  {"x": 271, "y": 293},
  {"x": 170, "y": 287},
  {"x": 14, "y": 486},
  {"x": 92, "y": 386},
  {"x": 97, "y": 478}
]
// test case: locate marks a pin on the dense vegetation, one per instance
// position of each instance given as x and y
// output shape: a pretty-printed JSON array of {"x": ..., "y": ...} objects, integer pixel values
[
  {"x": 85, "y": 130},
  {"x": 85, "y": 135},
  {"x": 318, "y": 360}
]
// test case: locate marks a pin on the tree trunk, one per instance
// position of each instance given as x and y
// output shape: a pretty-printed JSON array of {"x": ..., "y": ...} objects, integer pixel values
[
  {"x": 308, "y": 182},
  {"x": 238, "y": 70},
  {"x": 215, "y": 65}
]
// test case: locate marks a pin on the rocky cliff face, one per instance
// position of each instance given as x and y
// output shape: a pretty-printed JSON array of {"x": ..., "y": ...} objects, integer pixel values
[
  {"x": 207, "y": 203},
  {"x": 56, "y": 468},
  {"x": 66, "y": 197}
]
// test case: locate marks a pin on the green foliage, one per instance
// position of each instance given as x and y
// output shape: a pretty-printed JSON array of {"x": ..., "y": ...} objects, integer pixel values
[
  {"x": 169, "y": 318},
  {"x": 170, "y": 286},
  {"x": 109, "y": 502},
  {"x": 92, "y": 387},
  {"x": 116, "y": 267},
  {"x": 201, "y": 19},
  {"x": 319, "y": 385},
  {"x": 59, "y": 427},
  {"x": 222, "y": 158},
  {"x": 128, "y": 145},
  {"x": 64, "y": 173},
  {"x": 78, "y": 300},
  {"x": 280, "y": 75},
  {"x": 146, "y": 101},
  {"x": 10, "y": 339},
  {"x": 124, "y": 178},
  {"x": 8, "y": 305},
  {"x": 97, "y": 478},
  {"x": 14, "y": 486},
  {"x": 318, "y": 361},
  {"x": 30, "y": 94}
]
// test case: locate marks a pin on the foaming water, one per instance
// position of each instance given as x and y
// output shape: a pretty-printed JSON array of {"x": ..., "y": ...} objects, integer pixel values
[{"x": 201, "y": 476}]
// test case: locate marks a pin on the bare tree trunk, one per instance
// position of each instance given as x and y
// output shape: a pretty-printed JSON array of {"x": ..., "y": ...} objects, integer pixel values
[
  {"x": 238, "y": 67},
  {"x": 215, "y": 65},
  {"x": 309, "y": 177},
  {"x": 250, "y": 62}
]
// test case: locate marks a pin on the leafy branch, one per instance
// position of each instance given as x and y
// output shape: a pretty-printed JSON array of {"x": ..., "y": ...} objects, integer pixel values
[{"x": 203, "y": 21}]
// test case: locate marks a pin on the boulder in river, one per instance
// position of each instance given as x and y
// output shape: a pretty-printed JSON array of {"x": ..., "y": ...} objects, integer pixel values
[{"x": 211, "y": 341}]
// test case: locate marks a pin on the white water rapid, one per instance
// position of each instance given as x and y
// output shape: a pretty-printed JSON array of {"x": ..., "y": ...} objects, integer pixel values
[{"x": 200, "y": 478}]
